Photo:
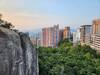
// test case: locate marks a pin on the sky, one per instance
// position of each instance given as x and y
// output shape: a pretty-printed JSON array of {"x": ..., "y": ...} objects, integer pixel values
[{"x": 29, "y": 15}]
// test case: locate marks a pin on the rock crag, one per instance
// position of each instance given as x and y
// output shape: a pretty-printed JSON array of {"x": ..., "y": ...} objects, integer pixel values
[{"x": 17, "y": 54}]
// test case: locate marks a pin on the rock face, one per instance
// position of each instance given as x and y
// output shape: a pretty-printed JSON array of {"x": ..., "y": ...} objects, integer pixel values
[{"x": 17, "y": 55}]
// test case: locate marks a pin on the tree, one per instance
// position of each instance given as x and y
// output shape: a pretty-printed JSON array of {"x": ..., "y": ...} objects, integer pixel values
[
  {"x": 5, "y": 24},
  {"x": 65, "y": 42},
  {"x": 80, "y": 60},
  {"x": 0, "y": 16}
]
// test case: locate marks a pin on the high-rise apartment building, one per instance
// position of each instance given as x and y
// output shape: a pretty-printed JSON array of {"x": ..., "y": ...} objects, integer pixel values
[
  {"x": 50, "y": 36},
  {"x": 96, "y": 34},
  {"x": 33, "y": 40},
  {"x": 66, "y": 32},
  {"x": 96, "y": 26},
  {"x": 55, "y": 35},
  {"x": 76, "y": 36},
  {"x": 36, "y": 39},
  {"x": 45, "y": 37},
  {"x": 61, "y": 34},
  {"x": 85, "y": 34}
]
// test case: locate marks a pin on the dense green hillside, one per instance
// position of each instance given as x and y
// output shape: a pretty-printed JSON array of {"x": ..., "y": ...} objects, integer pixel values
[{"x": 69, "y": 60}]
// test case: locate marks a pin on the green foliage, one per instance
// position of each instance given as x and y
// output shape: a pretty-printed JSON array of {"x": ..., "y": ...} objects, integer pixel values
[
  {"x": 69, "y": 60},
  {"x": 64, "y": 43},
  {"x": 5, "y": 24}
]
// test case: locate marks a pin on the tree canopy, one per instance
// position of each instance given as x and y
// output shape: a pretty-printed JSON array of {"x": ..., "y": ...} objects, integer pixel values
[
  {"x": 5, "y": 24},
  {"x": 69, "y": 60}
]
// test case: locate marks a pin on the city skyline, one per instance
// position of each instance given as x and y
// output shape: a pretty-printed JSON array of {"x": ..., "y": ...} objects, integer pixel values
[
  {"x": 34, "y": 14},
  {"x": 84, "y": 35}
]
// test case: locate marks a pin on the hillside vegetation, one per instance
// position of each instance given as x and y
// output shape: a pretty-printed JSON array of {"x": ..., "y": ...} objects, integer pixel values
[{"x": 69, "y": 60}]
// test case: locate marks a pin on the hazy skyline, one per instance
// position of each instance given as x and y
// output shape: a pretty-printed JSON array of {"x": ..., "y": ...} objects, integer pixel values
[{"x": 34, "y": 14}]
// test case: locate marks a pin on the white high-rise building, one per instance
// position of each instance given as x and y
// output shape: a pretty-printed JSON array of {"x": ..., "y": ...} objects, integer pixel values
[{"x": 76, "y": 36}]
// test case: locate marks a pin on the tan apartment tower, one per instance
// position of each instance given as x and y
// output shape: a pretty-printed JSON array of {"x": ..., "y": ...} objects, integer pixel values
[
  {"x": 66, "y": 33},
  {"x": 96, "y": 34}
]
